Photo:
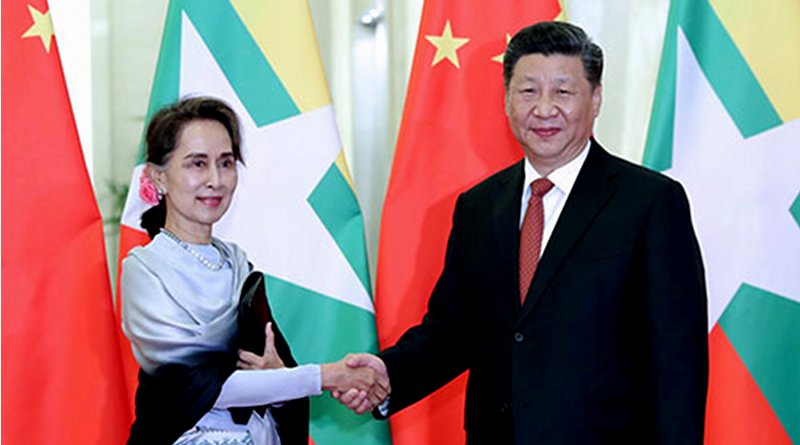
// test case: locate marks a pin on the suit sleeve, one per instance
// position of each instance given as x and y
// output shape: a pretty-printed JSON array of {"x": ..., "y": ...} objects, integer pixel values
[
  {"x": 431, "y": 354},
  {"x": 676, "y": 311}
]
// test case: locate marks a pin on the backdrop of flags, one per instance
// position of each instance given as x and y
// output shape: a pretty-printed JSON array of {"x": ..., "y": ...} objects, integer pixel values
[{"x": 725, "y": 123}]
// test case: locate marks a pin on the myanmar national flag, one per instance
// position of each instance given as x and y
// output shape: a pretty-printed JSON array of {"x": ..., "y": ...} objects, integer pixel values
[
  {"x": 726, "y": 123},
  {"x": 294, "y": 212},
  {"x": 454, "y": 133},
  {"x": 62, "y": 377}
]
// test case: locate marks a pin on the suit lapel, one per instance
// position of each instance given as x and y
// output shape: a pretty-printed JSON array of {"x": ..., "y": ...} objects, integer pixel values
[
  {"x": 593, "y": 188},
  {"x": 505, "y": 236}
]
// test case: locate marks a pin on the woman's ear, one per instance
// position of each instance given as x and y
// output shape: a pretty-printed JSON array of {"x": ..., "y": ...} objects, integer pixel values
[{"x": 158, "y": 176}]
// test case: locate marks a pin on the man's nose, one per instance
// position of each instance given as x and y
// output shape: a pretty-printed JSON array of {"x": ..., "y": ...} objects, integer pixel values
[{"x": 544, "y": 106}]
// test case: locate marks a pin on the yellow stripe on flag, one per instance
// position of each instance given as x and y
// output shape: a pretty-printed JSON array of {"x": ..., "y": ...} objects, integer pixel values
[
  {"x": 341, "y": 162},
  {"x": 562, "y": 15},
  {"x": 767, "y": 35},
  {"x": 292, "y": 54}
]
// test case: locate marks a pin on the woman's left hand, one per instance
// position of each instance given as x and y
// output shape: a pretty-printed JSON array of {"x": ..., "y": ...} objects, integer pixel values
[{"x": 270, "y": 359}]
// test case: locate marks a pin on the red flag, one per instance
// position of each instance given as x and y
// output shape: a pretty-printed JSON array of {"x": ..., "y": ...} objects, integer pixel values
[
  {"x": 61, "y": 370},
  {"x": 453, "y": 134}
]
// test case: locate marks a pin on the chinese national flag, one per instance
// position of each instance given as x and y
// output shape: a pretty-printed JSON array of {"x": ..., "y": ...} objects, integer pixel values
[
  {"x": 454, "y": 133},
  {"x": 61, "y": 370}
]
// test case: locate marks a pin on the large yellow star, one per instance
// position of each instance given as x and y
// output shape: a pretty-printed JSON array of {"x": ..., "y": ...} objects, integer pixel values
[
  {"x": 446, "y": 46},
  {"x": 42, "y": 27},
  {"x": 499, "y": 58}
]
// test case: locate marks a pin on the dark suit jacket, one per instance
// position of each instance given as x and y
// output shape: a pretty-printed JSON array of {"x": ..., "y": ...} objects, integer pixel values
[{"x": 610, "y": 346}]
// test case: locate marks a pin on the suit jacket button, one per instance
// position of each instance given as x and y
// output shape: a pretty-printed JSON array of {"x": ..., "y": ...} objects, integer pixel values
[{"x": 518, "y": 337}]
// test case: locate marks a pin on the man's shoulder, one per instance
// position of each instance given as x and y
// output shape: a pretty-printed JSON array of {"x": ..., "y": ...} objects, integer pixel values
[
  {"x": 633, "y": 174},
  {"x": 511, "y": 175}
]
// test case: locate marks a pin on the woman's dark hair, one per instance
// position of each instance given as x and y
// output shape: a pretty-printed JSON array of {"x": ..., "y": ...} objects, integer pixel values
[
  {"x": 162, "y": 137},
  {"x": 549, "y": 38}
]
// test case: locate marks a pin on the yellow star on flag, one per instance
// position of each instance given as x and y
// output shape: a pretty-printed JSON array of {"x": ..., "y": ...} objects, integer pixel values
[
  {"x": 499, "y": 58},
  {"x": 446, "y": 45},
  {"x": 42, "y": 27}
]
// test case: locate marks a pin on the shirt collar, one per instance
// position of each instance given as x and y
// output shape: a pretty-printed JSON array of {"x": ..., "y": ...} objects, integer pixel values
[{"x": 563, "y": 177}]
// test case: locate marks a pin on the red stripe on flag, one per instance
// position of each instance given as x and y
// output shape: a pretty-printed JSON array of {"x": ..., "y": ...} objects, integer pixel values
[
  {"x": 453, "y": 134},
  {"x": 438, "y": 416},
  {"x": 737, "y": 411},
  {"x": 62, "y": 378}
]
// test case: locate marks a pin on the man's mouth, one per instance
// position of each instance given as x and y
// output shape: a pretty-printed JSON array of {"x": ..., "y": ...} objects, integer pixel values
[{"x": 546, "y": 132}]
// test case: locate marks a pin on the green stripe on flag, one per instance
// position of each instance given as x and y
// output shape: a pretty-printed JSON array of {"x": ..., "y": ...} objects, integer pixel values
[
  {"x": 243, "y": 63},
  {"x": 726, "y": 69},
  {"x": 234, "y": 49},
  {"x": 321, "y": 329},
  {"x": 336, "y": 205},
  {"x": 763, "y": 328},
  {"x": 795, "y": 210},
  {"x": 166, "y": 82},
  {"x": 658, "y": 146}
]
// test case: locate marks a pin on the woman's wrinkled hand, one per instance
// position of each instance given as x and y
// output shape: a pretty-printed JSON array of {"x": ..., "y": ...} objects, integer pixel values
[{"x": 270, "y": 359}]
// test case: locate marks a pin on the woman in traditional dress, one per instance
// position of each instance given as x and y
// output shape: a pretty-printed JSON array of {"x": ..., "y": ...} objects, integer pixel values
[{"x": 181, "y": 295}]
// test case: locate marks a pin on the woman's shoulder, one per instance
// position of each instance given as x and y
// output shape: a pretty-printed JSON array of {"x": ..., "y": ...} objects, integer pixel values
[
  {"x": 139, "y": 253},
  {"x": 151, "y": 257}
]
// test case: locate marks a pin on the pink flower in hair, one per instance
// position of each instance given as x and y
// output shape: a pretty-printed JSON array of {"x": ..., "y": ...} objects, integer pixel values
[{"x": 147, "y": 190}]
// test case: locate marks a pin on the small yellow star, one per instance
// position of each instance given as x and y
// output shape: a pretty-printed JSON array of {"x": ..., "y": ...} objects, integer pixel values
[
  {"x": 446, "y": 46},
  {"x": 42, "y": 27},
  {"x": 499, "y": 58}
]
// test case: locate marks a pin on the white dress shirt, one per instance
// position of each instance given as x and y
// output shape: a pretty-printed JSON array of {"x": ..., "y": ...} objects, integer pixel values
[{"x": 563, "y": 179}]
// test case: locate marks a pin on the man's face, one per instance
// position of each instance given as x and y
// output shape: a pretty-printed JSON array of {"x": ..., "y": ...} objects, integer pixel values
[{"x": 551, "y": 108}]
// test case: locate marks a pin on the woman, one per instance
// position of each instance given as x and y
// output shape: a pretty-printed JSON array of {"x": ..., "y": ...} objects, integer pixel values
[{"x": 181, "y": 299}]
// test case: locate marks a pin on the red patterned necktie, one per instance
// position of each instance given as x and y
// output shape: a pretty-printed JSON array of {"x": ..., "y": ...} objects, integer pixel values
[{"x": 530, "y": 238}]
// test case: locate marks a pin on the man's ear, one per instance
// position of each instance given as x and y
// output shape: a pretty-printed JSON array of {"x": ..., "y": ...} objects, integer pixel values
[{"x": 597, "y": 99}]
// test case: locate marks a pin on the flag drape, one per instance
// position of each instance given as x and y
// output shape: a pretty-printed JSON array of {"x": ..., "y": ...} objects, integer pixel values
[
  {"x": 725, "y": 123},
  {"x": 294, "y": 211},
  {"x": 453, "y": 134},
  {"x": 62, "y": 376}
]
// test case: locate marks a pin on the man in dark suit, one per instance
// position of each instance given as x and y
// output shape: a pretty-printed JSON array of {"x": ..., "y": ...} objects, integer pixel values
[{"x": 607, "y": 342}]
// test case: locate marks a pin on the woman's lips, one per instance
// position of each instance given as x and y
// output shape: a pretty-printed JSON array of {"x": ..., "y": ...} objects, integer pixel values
[{"x": 211, "y": 201}]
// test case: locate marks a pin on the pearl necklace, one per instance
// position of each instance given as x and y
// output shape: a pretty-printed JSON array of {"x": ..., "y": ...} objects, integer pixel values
[{"x": 203, "y": 260}]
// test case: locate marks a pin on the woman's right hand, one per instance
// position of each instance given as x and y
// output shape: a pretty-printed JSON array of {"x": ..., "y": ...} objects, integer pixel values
[
  {"x": 361, "y": 382},
  {"x": 338, "y": 376},
  {"x": 270, "y": 359}
]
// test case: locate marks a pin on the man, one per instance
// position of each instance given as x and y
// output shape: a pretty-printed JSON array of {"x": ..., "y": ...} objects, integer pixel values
[{"x": 607, "y": 342}]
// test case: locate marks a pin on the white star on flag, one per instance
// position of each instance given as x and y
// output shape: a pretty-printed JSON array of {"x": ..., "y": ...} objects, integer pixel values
[
  {"x": 740, "y": 189},
  {"x": 270, "y": 215}
]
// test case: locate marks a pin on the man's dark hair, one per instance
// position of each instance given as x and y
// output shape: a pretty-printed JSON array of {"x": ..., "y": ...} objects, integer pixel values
[{"x": 548, "y": 38}]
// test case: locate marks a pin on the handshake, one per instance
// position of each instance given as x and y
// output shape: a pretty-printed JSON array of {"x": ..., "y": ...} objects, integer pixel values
[{"x": 358, "y": 381}]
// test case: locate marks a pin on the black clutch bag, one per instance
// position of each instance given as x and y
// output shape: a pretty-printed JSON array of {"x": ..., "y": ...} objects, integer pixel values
[{"x": 253, "y": 316}]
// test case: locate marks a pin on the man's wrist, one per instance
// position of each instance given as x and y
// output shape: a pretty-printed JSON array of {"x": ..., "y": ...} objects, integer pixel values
[{"x": 383, "y": 407}]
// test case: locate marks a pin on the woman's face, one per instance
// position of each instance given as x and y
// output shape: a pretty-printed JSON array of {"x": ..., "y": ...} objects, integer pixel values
[{"x": 199, "y": 179}]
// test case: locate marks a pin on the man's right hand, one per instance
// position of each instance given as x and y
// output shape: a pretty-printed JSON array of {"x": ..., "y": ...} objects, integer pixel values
[{"x": 363, "y": 401}]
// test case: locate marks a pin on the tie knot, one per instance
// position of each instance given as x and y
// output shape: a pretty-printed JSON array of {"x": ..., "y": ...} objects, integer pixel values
[{"x": 541, "y": 186}]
